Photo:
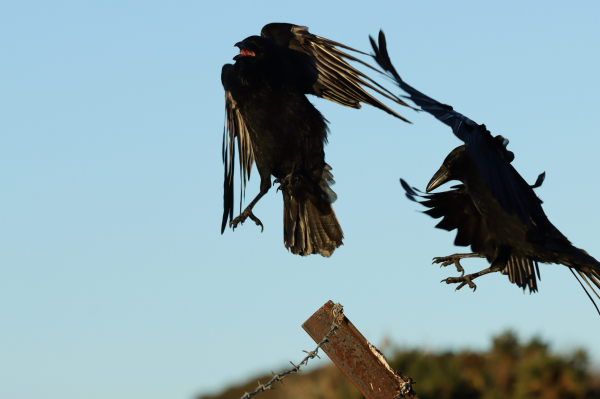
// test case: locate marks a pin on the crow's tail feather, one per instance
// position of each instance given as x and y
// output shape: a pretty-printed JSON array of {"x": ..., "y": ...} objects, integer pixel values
[
  {"x": 309, "y": 222},
  {"x": 308, "y": 229},
  {"x": 593, "y": 276}
]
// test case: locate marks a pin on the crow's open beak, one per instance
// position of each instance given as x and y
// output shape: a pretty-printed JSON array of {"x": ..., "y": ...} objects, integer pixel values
[
  {"x": 244, "y": 50},
  {"x": 440, "y": 177}
]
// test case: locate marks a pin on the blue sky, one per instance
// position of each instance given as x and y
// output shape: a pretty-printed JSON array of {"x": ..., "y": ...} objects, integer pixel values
[{"x": 114, "y": 279}]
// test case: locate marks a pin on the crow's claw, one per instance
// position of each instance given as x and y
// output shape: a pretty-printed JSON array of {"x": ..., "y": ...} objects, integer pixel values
[
  {"x": 463, "y": 280},
  {"x": 242, "y": 218},
  {"x": 285, "y": 182},
  {"x": 448, "y": 260}
]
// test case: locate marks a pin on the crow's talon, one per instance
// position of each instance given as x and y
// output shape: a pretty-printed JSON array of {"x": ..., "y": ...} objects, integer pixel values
[
  {"x": 463, "y": 280},
  {"x": 285, "y": 182},
  {"x": 242, "y": 218},
  {"x": 257, "y": 221},
  {"x": 448, "y": 260}
]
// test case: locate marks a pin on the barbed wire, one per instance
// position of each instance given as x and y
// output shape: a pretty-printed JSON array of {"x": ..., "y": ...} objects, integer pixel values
[
  {"x": 406, "y": 388},
  {"x": 338, "y": 317}
]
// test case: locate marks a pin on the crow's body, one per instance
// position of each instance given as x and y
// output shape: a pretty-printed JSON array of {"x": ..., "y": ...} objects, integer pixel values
[
  {"x": 285, "y": 128},
  {"x": 513, "y": 214},
  {"x": 459, "y": 212},
  {"x": 287, "y": 134},
  {"x": 277, "y": 127}
]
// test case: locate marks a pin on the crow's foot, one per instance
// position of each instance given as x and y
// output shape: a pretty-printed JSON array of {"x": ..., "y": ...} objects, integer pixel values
[
  {"x": 242, "y": 218},
  {"x": 463, "y": 280},
  {"x": 448, "y": 260},
  {"x": 283, "y": 183},
  {"x": 286, "y": 182}
]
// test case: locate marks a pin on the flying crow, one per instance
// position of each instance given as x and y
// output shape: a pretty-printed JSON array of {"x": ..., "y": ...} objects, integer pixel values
[
  {"x": 510, "y": 215},
  {"x": 275, "y": 125},
  {"x": 458, "y": 212}
]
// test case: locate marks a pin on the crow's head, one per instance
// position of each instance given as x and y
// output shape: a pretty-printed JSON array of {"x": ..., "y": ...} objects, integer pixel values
[
  {"x": 252, "y": 48},
  {"x": 453, "y": 168}
]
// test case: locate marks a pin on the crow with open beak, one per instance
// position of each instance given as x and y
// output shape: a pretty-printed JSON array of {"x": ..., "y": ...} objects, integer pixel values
[
  {"x": 276, "y": 126},
  {"x": 504, "y": 208}
]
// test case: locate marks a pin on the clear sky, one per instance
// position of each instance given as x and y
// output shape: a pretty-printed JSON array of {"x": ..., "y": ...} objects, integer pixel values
[{"x": 115, "y": 281}]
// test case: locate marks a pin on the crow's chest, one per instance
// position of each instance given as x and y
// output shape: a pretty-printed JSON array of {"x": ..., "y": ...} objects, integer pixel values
[
  {"x": 505, "y": 228},
  {"x": 283, "y": 127}
]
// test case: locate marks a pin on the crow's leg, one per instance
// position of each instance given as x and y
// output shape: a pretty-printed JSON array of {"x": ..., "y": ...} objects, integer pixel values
[
  {"x": 448, "y": 260},
  {"x": 265, "y": 185},
  {"x": 497, "y": 265}
]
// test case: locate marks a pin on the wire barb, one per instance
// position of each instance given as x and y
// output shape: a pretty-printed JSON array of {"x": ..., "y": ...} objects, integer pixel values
[
  {"x": 405, "y": 388},
  {"x": 338, "y": 318}
]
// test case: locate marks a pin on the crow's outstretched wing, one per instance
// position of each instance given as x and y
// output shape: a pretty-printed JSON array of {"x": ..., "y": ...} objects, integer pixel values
[
  {"x": 321, "y": 65},
  {"x": 458, "y": 212},
  {"x": 489, "y": 154},
  {"x": 235, "y": 128}
]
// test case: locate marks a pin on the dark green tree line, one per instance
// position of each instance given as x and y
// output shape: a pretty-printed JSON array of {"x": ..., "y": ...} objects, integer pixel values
[{"x": 509, "y": 369}]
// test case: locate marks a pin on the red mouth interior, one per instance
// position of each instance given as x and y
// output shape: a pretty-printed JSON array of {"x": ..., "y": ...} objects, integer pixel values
[{"x": 244, "y": 52}]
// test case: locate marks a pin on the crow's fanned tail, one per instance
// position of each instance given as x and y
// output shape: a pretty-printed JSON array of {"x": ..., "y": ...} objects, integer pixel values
[
  {"x": 307, "y": 230},
  {"x": 310, "y": 225}
]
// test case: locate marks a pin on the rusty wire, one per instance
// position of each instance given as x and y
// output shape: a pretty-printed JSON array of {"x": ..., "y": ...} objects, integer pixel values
[{"x": 338, "y": 316}]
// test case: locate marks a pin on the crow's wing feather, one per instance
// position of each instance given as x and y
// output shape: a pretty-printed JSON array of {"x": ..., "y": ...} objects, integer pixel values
[
  {"x": 235, "y": 128},
  {"x": 330, "y": 76},
  {"x": 457, "y": 211},
  {"x": 504, "y": 182}
]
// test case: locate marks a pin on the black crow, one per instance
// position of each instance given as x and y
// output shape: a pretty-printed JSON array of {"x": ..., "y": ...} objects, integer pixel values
[
  {"x": 278, "y": 128},
  {"x": 514, "y": 219},
  {"x": 460, "y": 213}
]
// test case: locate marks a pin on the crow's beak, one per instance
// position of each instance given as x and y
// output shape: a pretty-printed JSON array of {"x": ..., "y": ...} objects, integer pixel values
[
  {"x": 440, "y": 177},
  {"x": 244, "y": 50},
  {"x": 241, "y": 45}
]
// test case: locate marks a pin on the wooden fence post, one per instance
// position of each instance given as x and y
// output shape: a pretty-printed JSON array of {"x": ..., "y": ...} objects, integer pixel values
[{"x": 360, "y": 361}]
